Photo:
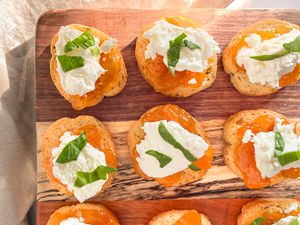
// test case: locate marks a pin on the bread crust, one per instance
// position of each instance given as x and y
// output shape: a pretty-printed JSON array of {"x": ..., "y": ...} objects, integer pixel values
[
  {"x": 51, "y": 140},
  {"x": 136, "y": 135},
  {"x": 148, "y": 67},
  {"x": 113, "y": 87},
  {"x": 239, "y": 77},
  {"x": 255, "y": 209},
  {"x": 231, "y": 126},
  {"x": 63, "y": 212},
  {"x": 170, "y": 217}
]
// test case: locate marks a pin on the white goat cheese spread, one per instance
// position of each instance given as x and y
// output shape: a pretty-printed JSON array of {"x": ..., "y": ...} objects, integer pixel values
[
  {"x": 264, "y": 145},
  {"x": 81, "y": 80},
  {"x": 73, "y": 221},
  {"x": 287, "y": 220},
  {"x": 88, "y": 160},
  {"x": 268, "y": 72},
  {"x": 153, "y": 141},
  {"x": 193, "y": 60}
]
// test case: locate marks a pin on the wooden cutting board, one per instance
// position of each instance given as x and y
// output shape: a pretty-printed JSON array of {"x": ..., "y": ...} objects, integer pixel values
[{"x": 211, "y": 106}]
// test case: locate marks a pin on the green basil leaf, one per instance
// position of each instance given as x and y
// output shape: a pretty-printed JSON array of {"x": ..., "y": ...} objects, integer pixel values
[
  {"x": 72, "y": 150},
  {"x": 258, "y": 221},
  {"x": 70, "y": 62},
  {"x": 293, "y": 46},
  {"x": 167, "y": 136},
  {"x": 162, "y": 158},
  {"x": 85, "y": 40},
  {"x": 295, "y": 222},
  {"x": 279, "y": 142},
  {"x": 173, "y": 53},
  {"x": 270, "y": 57},
  {"x": 288, "y": 157},
  {"x": 95, "y": 51},
  {"x": 100, "y": 173},
  {"x": 189, "y": 44},
  {"x": 194, "y": 167}
]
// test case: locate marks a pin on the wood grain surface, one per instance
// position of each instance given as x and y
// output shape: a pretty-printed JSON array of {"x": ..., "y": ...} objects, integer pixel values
[{"x": 211, "y": 106}]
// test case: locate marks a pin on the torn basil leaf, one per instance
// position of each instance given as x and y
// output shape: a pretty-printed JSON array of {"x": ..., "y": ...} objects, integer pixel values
[
  {"x": 167, "y": 136},
  {"x": 258, "y": 221},
  {"x": 85, "y": 40},
  {"x": 295, "y": 222},
  {"x": 173, "y": 53},
  {"x": 100, "y": 173},
  {"x": 70, "y": 62},
  {"x": 194, "y": 167},
  {"x": 162, "y": 158},
  {"x": 288, "y": 157},
  {"x": 293, "y": 46},
  {"x": 189, "y": 44},
  {"x": 72, "y": 150}
]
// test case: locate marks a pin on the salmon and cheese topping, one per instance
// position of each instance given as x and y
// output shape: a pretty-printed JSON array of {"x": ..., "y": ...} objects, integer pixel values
[
  {"x": 168, "y": 148},
  {"x": 78, "y": 55},
  {"x": 276, "y": 149},
  {"x": 80, "y": 166},
  {"x": 182, "y": 48},
  {"x": 267, "y": 61}
]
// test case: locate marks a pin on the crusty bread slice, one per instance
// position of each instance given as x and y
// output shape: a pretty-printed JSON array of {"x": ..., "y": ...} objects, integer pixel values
[
  {"x": 66, "y": 212},
  {"x": 238, "y": 76},
  {"x": 109, "y": 84},
  {"x": 170, "y": 217},
  {"x": 136, "y": 135},
  {"x": 149, "y": 67},
  {"x": 256, "y": 208},
  {"x": 232, "y": 125},
  {"x": 92, "y": 126}
]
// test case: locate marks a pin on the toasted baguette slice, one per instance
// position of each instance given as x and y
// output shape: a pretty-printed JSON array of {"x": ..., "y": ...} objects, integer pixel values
[
  {"x": 232, "y": 125},
  {"x": 171, "y": 217},
  {"x": 98, "y": 214},
  {"x": 255, "y": 209},
  {"x": 155, "y": 71},
  {"x": 237, "y": 74},
  {"x": 97, "y": 135},
  {"x": 109, "y": 84},
  {"x": 136, "y": 135}
]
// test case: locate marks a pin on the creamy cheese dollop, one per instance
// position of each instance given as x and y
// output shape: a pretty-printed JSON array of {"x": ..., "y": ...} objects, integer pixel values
[
  {"x": 81, "y": 80},
  {"x": 193, "y": 60},
  {"x": 88, "y": 160},
  {"x": 73, "y": 221},
  {"x": 264, "y": 144},
  {"x": 153, "y": 141},
  {"x": 287, "y": 220},
  {"x": 268, "y": 72}
]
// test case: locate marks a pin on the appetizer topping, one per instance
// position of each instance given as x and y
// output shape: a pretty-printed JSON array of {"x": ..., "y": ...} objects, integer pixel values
[
  {"x": 258, "y": 221},
  {"x": 266, "y": 62},
  {"x": 182, "y": 48},
  {"x": 73, "y": 221},
  {"x": 276, "y": 150},
  {"x": 289, "y": 220},
  {"x": 192, "y": 217},
  {"x": 172, "y": 149},
  {"x": 78, "y": 55},
  {"x": 292, "y": 207},
  {"x": 83, "y": 169}
]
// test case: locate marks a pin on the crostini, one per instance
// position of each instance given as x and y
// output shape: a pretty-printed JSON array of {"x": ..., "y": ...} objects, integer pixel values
[
  {"x": 264, "y": 57},
  {"x": 79, "y": 156},
  {"x": 270, "y": 212},
  {"x": 86, "y": 65},
  {"x": 262, "y": 147},
  {"x": 177, "y": 56},
  {"x": 83, "y": 214},
  {"x": 180, "y": 217},
  {"x": 168, "y": 145}
]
